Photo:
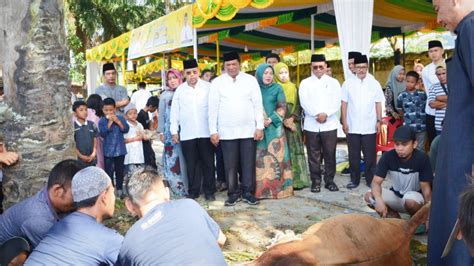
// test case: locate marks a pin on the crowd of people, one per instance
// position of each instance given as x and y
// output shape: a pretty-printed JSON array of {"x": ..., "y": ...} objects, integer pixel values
[{"x": 236, "y": 132}]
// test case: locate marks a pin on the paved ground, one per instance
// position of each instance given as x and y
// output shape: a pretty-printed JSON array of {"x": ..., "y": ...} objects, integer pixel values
[{"x": 250, "y": 229}]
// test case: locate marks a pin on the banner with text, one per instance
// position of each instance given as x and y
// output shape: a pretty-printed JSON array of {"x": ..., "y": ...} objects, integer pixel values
[{"x": 163, "y": 34}]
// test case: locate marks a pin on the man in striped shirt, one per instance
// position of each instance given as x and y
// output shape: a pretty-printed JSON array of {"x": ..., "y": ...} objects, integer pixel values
[{"x": 439, "y": 98}]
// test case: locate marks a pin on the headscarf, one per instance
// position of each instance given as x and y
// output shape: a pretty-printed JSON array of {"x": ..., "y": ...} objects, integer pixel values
[
  {"x": 289, "y": 88},
  {"x": 259, "y": 75},
  {"x": 178, "y": 74},
  {"x": 396, "y": 86}
]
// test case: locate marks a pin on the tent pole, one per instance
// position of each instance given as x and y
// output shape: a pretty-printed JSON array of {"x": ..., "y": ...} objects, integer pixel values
[
  {"x": 298, "y": 68},
  {"x": 124, "y": 70},
  {"x": 218, "y": 52},
  {"x": 403, "y": 50},
  {"x": 195, "y": 43},
  {"x": 312, "y": 33},
  {"x": 163, "y": 75}
]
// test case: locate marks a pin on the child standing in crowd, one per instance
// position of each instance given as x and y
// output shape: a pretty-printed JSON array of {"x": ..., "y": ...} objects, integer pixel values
[
  {"x": 111, "y": 128},
  {"x": 94, "y": 113},
  {"x": 412, "y": 102},
  {"x": 85, "y": 133},
  {"x": 133, "y": 141},
  {"x": 149, "y": 124}
]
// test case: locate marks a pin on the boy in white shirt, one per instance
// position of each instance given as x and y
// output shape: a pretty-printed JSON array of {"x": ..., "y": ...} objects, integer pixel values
[{"x": 133, "y": 141}]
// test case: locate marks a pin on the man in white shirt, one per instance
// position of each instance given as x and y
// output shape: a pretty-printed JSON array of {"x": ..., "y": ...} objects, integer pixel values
[
  {"x": 141, "y": 96},
  {"x": 186, "y": 31},
  {"x": 362, "y": 99},
  {"x": 236, "y": 122},
  {"x": 320, "y": 97},
  {"x": 189, "y": 124},
  {"x": 435, "y": 52}
]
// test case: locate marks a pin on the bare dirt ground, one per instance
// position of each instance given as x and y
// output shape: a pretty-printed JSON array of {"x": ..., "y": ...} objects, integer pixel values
[{"x": 250, "y": 229}]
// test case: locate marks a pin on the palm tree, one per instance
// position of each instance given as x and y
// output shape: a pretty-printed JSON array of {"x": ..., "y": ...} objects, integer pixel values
[{"x": 35, "y": 62}]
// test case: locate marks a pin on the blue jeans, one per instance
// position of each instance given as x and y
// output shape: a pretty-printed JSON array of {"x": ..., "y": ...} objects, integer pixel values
[{"x": 115, "y": 165}]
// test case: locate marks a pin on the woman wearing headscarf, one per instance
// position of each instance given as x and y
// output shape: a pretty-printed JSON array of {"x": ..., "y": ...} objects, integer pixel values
[
  {"x": 395, "y": 86},
  {"x": 174, "y": 166},
  {"x": 274, "y": 176},
  {"x": 292, "y": 127}
]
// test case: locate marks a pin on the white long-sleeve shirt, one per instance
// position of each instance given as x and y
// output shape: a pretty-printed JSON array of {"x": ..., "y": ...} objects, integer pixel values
[
  {"x": 139, "y": 98},
  {"x": 429, "y": 79},
  {"x": 235, "y": 106},
  {"x": 320, "y": 96},
  {"x": 189, "y": 111},
  {"x": 361, "y": 97}
]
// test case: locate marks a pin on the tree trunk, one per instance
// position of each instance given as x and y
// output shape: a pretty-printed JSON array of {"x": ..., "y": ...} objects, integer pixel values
[{"x": 35, "y": 63}]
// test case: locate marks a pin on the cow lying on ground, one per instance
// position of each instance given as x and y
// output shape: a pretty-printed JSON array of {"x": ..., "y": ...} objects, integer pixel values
[{"x": 349, "y": 239}]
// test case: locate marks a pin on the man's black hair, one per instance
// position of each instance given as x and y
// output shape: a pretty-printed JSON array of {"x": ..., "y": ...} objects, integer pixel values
[
  {"x": 413, "y": 74},
  {"x": 87, "y": 203},
  {"x": 272, "y": 55},
  {"x": 62, "y": 173},
  {"x": 466, "y": 216},
  {"x": 205, "y": 71},
  {"x": 152, "y": 101},
  {"x": 76, "y": 105},
  {"x": 108, "y": 101},
  {"x": 141, "y": 85}
]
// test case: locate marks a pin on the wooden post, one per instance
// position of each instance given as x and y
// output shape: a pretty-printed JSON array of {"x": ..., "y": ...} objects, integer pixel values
[{"x": 218, "y": 54}]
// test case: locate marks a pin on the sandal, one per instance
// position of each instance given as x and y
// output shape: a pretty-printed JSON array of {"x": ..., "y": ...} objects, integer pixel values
[{"x": 331, "y": 186}]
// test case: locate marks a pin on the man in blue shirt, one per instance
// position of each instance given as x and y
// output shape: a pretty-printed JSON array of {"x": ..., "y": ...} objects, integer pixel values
[
  {"x": 178, "y": 232},
  {"x": 32, "y": 218},
  {"x": 80, "y": 238},
  {"x": 456, "y": 151}
]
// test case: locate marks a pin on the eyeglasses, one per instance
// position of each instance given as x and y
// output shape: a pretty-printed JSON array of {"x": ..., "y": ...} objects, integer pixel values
[
  {"x": 318, "y": 67},
  {"x": 361, "y": 67}
]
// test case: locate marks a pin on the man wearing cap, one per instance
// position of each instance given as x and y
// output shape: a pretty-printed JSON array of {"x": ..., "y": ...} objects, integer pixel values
[
  {"x": 168, "y": 232},
  {"x": 352, "y": 55},
  {"x": 14, "y": 251},
  {"x": 362, "y": 99},
  {"x": 236, "y": 122},
  {"x": 435, "y": 52},
  {"x": 190, "y": 126},
  {"x": 33, "y": 217},
  {"x": 109, "y": 89},
  {"x": 81, "y": 238},
  {"x": 320, "y": 97},
  {"x": 272, "y": 59},
  {"x": 456, "y": 151},
  {"x": 411, "y": 175}
]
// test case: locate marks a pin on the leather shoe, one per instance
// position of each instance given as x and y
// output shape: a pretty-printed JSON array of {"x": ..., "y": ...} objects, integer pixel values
[
  {"x": 315, "y": 188},
  {"x": 352, "y": 185}
]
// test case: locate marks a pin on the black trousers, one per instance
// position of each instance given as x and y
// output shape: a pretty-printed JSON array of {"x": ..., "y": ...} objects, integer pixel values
[
  {"x": 220, "y": 164},
  {"x": 430, "y": 128},
  {"x": 321, "y": 145},
  {"x": 115, "y": 165},
  {"x": 200, "y": 152},
  {"x": 239, "y": 156},
  {"x": 149, "y": 154},
  {"x": 365, "y": 143}
]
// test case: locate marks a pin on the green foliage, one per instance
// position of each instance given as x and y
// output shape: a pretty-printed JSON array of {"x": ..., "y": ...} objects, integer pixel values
[{"x": 91, "y": 22}]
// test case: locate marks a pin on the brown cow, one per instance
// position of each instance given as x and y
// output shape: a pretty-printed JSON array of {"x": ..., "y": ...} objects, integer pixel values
[{"x": 349, "y": 239}]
